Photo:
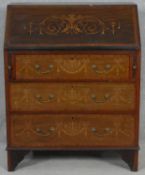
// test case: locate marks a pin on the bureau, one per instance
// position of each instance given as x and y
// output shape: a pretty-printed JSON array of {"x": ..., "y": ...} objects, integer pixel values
[{"x": 72, "y": 79}]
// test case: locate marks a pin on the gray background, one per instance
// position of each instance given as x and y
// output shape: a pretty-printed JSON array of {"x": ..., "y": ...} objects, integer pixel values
[{"x": 82, "y": 166}]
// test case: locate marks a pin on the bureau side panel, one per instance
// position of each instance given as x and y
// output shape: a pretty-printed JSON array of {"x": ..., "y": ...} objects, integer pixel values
[{"x": 7, "y": 97}]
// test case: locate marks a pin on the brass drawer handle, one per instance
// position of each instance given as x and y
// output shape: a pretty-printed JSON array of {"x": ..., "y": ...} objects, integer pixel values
[
  {"x": 107, "y": 69},
  {"x": 38, "y": 69},
  {"x": 105, "y": 98},
  {"x": 50, "y": 98},
  {"x": 40, "y": 132},
  {"x": 102, "y": 133}
]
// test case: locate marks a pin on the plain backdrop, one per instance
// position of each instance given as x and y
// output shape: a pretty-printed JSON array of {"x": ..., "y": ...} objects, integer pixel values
[{"x": 82, "y": 166}]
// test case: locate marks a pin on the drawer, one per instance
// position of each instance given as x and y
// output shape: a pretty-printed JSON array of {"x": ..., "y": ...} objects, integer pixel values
[
  {"x": 83, "y": 66},
  {"x": 72, "y": 130},
  {"x": 71, "y": 97}
]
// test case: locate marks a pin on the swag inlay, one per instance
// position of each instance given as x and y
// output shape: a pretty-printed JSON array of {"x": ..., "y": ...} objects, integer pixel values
[{"x": 120, "y": 126}]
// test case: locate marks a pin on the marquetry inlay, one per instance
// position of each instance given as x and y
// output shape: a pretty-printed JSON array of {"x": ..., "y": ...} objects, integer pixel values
[
  {"x": 94, "y": 126},
  {"x": 73, "y": 96},
  {"x": 76, "y": 94},
  {"x": 73, "y": 24},
  {"x": 89, "y": 65}
]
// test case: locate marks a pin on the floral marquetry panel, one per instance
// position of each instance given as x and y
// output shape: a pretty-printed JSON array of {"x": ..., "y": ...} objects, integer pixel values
[
  {"x": 42, "y": 26},
  {"x": 72, "y": 97},
  {"x": 72, "y": 67},
  {"x": 71, "y": 130}
]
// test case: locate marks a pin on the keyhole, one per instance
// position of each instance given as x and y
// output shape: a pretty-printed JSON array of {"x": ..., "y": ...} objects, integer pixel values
[{"x": 72, "y": 118}]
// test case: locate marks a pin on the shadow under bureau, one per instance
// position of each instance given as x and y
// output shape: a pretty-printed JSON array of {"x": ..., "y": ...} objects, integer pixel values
[{"x": 72, "y": 75}]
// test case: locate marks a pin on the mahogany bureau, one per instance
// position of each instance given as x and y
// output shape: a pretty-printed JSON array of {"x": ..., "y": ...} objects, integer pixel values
[{"x": 72, "y": 79}]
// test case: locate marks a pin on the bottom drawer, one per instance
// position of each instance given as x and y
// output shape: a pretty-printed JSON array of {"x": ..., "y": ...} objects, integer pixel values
[{"x": 72, "y": 130}]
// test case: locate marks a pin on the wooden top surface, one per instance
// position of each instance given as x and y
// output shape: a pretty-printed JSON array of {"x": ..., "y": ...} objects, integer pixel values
[{"x": 72, "y": 26}]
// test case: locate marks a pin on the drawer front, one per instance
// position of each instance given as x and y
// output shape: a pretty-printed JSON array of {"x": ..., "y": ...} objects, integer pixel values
[
  {"x": 72, "y": 67},
  {"x": 72, "y": 131},
  {"x": 68, "y": 97}
]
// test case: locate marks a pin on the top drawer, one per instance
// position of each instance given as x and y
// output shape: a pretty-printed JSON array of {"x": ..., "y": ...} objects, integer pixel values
[{"x": 72, "y": 66}]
